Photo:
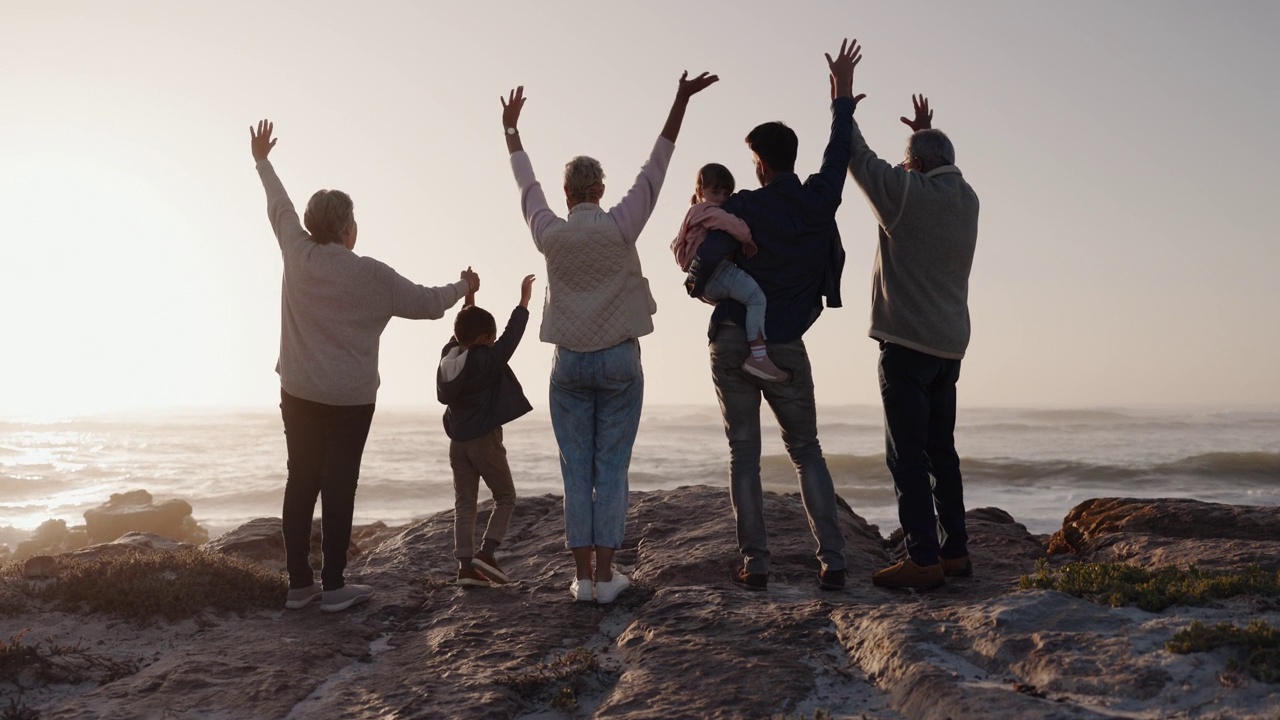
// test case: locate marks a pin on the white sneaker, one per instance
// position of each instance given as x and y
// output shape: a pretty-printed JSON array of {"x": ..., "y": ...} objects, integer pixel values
[
  {"x": 607, "y": 591},
  {"x": 344, "y": 597},
  {"x": 302, "y": 597},
  {"x": 582, "y": 590}
]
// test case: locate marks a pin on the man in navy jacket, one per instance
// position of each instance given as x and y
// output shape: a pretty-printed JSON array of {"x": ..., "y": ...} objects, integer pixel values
[{"x": 798, "y": 263}]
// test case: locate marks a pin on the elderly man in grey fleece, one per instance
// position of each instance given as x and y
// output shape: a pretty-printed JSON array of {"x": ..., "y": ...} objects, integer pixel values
[{"x": 928, "y": 218}]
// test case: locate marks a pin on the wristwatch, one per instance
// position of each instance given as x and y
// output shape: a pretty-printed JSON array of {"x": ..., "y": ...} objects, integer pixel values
[{"x": 511, "y": 131}]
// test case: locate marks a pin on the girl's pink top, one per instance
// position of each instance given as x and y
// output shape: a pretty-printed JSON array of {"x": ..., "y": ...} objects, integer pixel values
[{"x": 703, "y": 217}]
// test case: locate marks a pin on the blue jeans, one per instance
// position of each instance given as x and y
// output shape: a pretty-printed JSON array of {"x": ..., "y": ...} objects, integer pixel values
[
  {"x": 919, "y": 394},
  {"x": 595, "y": 413},
  {"x": 325, "y": 444},
  {"x": 731, "y": 281},
  {"x": 793, "y": 406}
]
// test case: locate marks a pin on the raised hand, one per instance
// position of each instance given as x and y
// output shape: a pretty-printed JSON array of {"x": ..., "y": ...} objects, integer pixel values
[
  {"x": 261, "y": 142},
  {"x": 688, "y": 88},
  {"x": 924, "y": 116},
  {"x": 842, "y": 67},
  {"x": 511, "y": 106},
  {"x": 526, "y": 290}
]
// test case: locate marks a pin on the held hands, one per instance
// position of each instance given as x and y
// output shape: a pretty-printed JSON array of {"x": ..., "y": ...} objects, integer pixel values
[
  {"x": 842, "y": 69},
  {"x": 924, "y": 116},
  {"x": 688, "y": 88},
  {"x": 526, "y": 290},
  {"x": 473, "y": 280},
  {"x": 261, "y": 142},
  {"x": 750, "y": 248}
]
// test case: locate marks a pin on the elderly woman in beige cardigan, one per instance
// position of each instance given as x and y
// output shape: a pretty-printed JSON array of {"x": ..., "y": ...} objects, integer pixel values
[{"x": 597, "y": 306}]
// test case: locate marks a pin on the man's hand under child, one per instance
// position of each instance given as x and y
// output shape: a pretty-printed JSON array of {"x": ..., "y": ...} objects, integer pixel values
[{"x": 526, "y": 291}]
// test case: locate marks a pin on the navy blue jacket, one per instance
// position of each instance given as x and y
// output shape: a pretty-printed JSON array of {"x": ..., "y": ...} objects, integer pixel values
[
  {"x": 801, "y": 257},
  {"x": 486, "y": 394}
]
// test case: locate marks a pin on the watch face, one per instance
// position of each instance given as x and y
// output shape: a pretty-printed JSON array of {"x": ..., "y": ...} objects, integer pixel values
[{"x": 511, "y": 131}]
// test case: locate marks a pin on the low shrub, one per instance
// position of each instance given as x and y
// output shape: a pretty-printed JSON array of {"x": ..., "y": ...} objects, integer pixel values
[
  {"x": 1258, "y": 645},
  {"x": 1118, "y": 584},
  {"x": 174, "y": 585}
]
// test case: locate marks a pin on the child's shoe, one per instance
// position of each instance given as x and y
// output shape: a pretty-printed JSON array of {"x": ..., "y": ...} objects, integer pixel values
[
  {"x": 473, "y": 577},
  {"x": 489, "y": 566},
  {"x": 764, "y": 369}
]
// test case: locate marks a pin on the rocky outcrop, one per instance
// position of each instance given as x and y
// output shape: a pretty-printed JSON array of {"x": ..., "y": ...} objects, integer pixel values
[
  {"x": 131, "y": 512},
  {"x": 1171, "y": 532},
  {"x": 136, "y": 512},
  {"x": 260, "y": 541},
  {"x": 684, "y": 642}
]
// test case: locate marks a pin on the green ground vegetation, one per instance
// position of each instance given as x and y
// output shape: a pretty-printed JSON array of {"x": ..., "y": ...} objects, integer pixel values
[
  {"x": 1257, "y": 645},
  {"x": 172, "y": 585},
  {"x": 1118, "y": 584}
]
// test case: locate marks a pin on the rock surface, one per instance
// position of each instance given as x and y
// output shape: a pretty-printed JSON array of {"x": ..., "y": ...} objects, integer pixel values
[
  {"x": 684, "y": 642},
  {"x": 1171, "y": 532}
]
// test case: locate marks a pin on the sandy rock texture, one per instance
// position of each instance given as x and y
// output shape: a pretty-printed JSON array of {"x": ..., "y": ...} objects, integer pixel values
[{"x": 684, "y": 642}]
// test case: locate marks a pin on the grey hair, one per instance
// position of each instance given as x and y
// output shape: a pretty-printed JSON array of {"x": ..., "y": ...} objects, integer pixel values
[
  {"x": 933, "y": 148},
  {"x": 584, "y": 179},
  {"x": 330, "y": 213}
]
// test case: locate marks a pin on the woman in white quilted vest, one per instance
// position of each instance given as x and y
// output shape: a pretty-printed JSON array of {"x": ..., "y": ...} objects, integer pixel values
[{"x": 597, "y": 307}]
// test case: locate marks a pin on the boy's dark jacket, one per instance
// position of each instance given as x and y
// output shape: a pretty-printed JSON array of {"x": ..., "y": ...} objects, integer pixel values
[{"x": 486, "y": 394}]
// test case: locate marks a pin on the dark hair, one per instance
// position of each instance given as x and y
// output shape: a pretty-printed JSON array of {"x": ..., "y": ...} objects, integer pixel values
[
  {"x": 472, "y": 324},
  {"x": 775, "y": 144},
  {"x": 329, "y": 214},
  {"x": 712, "y": 175}
]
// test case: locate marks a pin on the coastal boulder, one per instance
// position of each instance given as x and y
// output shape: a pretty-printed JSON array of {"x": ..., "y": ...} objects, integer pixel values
[
  {"x": 53, "y": 537},
  {"x": 1156, "y": 532},
  {"x": 136, "y": 512}
]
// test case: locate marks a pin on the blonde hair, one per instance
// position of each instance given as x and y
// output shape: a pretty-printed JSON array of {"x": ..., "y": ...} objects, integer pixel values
[
  {"x": 330, "y": 213},
  {"x": 584, "y": 179}
]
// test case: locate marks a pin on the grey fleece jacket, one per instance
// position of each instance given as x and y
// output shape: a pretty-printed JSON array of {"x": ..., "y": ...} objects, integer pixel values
[
  {"x": 928, "y": 232},
  {"x": 334, "y": 305}
]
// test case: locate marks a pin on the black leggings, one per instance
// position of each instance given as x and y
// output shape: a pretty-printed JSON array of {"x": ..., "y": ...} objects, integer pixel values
[{"x": 325, "y": 445}]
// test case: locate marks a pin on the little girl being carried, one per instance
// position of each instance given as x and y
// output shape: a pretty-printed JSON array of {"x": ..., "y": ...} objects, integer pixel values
[{"x": 714, "y": 186}]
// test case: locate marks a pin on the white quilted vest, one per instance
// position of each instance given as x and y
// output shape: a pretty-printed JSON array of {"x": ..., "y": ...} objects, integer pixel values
[{"x": 597, "y": 295}]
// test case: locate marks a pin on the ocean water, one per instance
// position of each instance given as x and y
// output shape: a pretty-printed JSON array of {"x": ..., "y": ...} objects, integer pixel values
[{"x": 1036, "y": 464}]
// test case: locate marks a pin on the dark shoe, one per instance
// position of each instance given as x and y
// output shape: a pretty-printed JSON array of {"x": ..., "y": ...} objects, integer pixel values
[
  {"x": 907, "y": 574},
  {"x": 489, "y": 566},
  {"x": 957, "y": 567},
  {"x": 473, "y": 577},
  {"x": 751, "y": 581},
  {"x": 831, "y": 579}
]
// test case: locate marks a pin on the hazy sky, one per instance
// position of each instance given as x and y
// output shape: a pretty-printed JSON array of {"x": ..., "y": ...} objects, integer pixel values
[{"x": 1124, "y": 154}]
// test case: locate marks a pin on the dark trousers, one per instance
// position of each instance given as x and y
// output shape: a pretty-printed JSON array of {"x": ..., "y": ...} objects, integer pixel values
[
  {"x": 325, "y": 445},
  {"x": 472, "y": 460},
  {"x": 919, "y": 394}
]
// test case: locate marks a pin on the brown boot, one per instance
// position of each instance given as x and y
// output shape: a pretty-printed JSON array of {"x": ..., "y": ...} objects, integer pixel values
[
  {"x": 907, "y": 574},
  {"x": 957, "y": 567}
]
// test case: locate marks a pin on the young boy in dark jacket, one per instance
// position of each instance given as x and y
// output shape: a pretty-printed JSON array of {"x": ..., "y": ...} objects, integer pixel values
[{"x": 482, "y": 394}]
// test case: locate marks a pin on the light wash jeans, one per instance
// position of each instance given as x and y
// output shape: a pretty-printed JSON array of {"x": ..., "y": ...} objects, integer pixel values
[
  {"x": 595, "y": 412},
  {"x": 731, "y": 281},
  {"x": 793, "y": 406}
]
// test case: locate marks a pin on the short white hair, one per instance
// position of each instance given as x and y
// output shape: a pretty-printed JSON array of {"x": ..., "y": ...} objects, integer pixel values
[
  {"x": 933, "y": 147},
  {"x": 581, "y": 175}
]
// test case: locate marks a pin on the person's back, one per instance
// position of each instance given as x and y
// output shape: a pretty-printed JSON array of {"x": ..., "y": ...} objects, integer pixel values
[{"x": 928, "y": 234}]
